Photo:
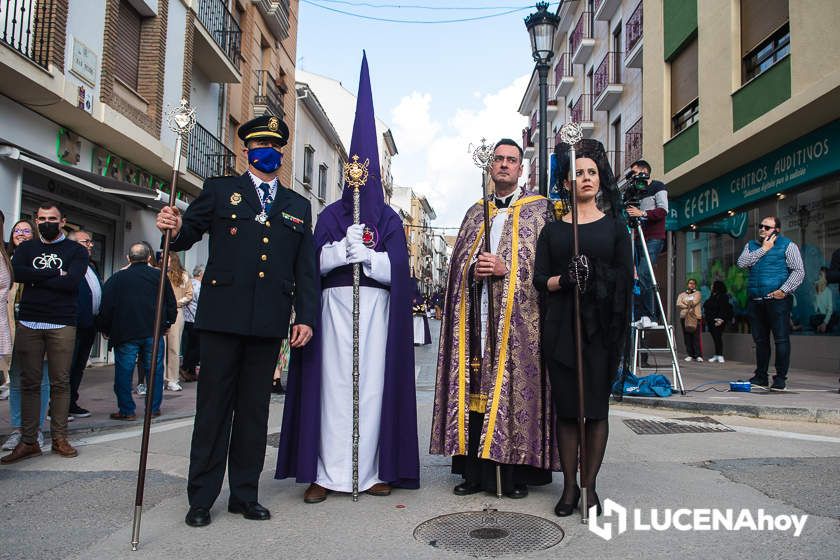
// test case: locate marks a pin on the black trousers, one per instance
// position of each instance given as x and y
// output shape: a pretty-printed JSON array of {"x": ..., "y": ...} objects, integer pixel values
[
  {"x": 190, "y": 347},
  {"x": 692, "y": 344},
  {"x": 231, "y": 416},
  {"x": 717, "y": 336},
  {"x": 84, "y": 342}
]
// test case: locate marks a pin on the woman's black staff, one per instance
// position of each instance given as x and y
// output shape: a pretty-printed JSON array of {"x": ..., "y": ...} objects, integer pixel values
[
  {"x": 483, "y": 157},
  {"x": 181, "y": 120},
  {"x": 571, "y": 134}
]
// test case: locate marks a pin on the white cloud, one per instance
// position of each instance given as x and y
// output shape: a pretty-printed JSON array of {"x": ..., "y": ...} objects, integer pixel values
[{"x": 434, "y": 158}]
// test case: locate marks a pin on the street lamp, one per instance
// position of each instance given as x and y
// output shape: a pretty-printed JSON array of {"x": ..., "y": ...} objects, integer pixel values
[{"x": 541, "y": 26}]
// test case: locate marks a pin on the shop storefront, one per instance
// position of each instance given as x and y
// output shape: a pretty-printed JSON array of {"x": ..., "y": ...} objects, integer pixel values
[{"x": 798, "y": 182}]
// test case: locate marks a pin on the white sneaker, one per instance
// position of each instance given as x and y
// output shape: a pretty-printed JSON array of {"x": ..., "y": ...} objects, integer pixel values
[
  {"x": 40, "y": 439},
  {"x": 12, "y": 441},
  {"x": 646, "y": 322},
  {"x": 174, "y": 386},
  {"x": 4, "y": 392},
  {"x": 721, "y": 360},
  {"x": 699, "y": 359},
  {"x": 652, "y": 324},
  {"x": 141, "y": 389},
  {"x": 689, "y": 359},
  {"x": 70, "y": 418}
]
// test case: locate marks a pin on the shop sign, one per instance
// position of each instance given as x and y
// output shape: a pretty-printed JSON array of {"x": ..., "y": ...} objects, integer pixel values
[{"x": 807, "y": 158}]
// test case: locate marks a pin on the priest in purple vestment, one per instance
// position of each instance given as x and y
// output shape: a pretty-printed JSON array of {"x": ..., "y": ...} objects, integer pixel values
[{"x": 316, "y": 438}]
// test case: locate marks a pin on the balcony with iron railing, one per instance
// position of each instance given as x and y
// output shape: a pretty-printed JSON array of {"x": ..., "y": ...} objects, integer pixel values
[
  {"x": 207, "y": 156},
  {"x": 616, "y": 159},
  {"x": 633, "y": 39},
  {"x": 563, "y": 76},
  {"x": 216, "y": 42},
  {"x": 581, "y": 113},
  {"x": 606, "y": 9},
  {"x": 268, "y": 99},
  {"x": 633, "y": 143},
  {"x": 581, "y": 41},
  {"x": 606, "y": 82},
  {"x": 27, "y": 28},
  {"x": 566, "y": 14}
]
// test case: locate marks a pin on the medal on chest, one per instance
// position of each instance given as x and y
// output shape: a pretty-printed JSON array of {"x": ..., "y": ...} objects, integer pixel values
[{"x": 262, "y": 217}]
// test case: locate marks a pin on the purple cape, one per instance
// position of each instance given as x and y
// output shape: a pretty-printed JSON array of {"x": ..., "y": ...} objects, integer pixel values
[{"x": 300, "y": 438}]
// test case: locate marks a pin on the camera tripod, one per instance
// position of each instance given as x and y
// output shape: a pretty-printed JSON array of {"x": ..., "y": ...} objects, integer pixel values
[{"x": 639, "y": 333}]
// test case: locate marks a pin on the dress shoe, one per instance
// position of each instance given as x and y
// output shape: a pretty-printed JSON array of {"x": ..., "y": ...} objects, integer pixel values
[
  {"x": 250, "y": 510},
  {"x": 198, "y": 517},
  {"x": 121, "y": 416},
  {"x": 63, "y": 448},
  {"x": 187, "y": 376},
  {"x": 519, "y": 491},
  {"x": 315, "y": 494},
  {"x": 379, "y": 489},
  {"x": 563, "y": 509},
  {"x": 465, "y": 489},
  {"x": 21, "y": 451},
  {"x": 595, "y": 501},
  {"x": 155, "y": 413}
]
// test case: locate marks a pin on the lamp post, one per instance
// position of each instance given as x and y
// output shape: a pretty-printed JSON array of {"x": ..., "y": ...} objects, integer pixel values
[{"x": 541, "y": 26}]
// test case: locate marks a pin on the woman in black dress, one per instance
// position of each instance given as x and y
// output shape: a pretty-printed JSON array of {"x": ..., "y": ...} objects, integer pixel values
[{"x": 605, "y": 314}]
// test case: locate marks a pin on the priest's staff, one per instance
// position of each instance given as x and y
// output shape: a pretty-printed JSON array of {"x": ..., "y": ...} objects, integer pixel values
[
  {"x": 181, "y": 120},
  {"x": 356, "y": 175},
  {"x": 571, "y": 134},
  {"x": 482, "y": 157}
]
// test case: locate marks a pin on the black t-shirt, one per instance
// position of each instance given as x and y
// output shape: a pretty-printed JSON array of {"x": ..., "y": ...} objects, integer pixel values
[{"x": 49, "y": 297}]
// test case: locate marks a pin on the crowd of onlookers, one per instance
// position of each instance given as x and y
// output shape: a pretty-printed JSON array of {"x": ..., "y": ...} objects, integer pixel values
[{"x": 54, "y": 303}]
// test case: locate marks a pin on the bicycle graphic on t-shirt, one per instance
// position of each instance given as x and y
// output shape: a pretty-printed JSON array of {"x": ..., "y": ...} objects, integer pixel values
[{"x": 47, "y": 261}]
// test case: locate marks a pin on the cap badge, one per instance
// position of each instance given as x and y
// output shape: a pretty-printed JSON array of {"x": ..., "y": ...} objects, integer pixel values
[{"x": 273, "y": 124}]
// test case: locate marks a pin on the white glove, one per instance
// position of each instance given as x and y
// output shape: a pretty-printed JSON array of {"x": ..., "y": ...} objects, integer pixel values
[
  {"x": 354, "y": 234},
  {"x": 358, "y": 253}
]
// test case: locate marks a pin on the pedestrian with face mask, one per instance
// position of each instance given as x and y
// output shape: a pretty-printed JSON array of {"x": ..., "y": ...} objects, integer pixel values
[{"x": 51, "y": 267}]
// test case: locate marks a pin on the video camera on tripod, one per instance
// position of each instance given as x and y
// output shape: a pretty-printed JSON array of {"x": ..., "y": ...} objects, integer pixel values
[{"x": 634, "y": 188}]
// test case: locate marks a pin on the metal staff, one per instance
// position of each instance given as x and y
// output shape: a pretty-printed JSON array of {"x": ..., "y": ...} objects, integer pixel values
[
  {"x": 571, "y": 134},
  {"x": 181, "y": 120},
  {"x": 356, "y": 175},
  {"x": 482, "y": 157}
]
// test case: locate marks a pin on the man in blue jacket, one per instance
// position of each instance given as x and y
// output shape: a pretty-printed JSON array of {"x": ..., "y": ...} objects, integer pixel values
[
  {"x": 127, "y": 317},
  {"x": 775, "y": 271},
  {"x": 90, "y": 296}
]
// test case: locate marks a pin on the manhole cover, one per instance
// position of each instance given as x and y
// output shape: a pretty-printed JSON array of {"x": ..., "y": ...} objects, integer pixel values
[
  {"x": 489, "y": 533},
  {"x": 692, "y": 425}
]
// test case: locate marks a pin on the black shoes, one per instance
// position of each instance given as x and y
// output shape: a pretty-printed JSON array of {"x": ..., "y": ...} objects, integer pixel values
[
  {"x": 198, "y": 517},
  {"x": 250, "y": 510},
  {"x": 595, "y": 502},
  {"x": 565, "y": 510},
  {"x": 759, "y": 380},
  {"x": 519, "y": 491},
  {"x": 778, "y": 384},
  {"x": 465, "y": 489},
  {"x": 79, "y": 412}
]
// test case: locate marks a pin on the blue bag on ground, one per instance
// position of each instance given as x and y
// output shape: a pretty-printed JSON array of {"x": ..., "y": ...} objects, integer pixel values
[{"x": 653, "y": 385}]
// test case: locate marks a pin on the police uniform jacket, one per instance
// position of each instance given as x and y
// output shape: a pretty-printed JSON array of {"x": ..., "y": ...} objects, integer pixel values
[{"x": 255, "y": 272}]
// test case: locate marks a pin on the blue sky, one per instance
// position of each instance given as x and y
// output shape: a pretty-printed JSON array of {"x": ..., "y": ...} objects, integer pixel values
[{"x": 439, "y": 86}]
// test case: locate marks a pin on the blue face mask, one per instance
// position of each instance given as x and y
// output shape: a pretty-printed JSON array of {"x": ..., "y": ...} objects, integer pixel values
[{"x": 266, "y": 160}]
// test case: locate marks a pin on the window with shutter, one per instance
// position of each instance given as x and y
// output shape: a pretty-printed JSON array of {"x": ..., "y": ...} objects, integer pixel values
[
  {"x": 129, "y": 24},
  {"x": 684, "y": 101}
]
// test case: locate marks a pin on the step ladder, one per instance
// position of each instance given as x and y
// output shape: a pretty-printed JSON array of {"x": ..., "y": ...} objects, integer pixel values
[{"x": 639, "y": 348}]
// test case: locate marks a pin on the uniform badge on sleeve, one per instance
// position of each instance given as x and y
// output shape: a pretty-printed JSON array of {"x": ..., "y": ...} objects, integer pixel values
[
  {"x": 235, "y": 198},
  {"x": 370, "y": 237}
]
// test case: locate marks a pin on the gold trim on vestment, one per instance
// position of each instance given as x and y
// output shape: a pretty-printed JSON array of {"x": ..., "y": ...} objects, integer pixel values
[
  {"x": 478, "y": 403},
  {"x": 500, "y": 372}
]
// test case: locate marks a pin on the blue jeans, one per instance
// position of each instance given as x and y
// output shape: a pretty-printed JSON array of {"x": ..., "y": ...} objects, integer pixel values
[
  {"x": 766, "y": 316},
  {"x": 126, "y": 355},
  {"x": 15, "y": 396},
  {"x": 645, "y": 306}
]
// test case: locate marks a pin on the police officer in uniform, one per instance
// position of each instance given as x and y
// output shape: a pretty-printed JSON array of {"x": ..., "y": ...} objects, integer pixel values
[{"x": 262, "y": 261}]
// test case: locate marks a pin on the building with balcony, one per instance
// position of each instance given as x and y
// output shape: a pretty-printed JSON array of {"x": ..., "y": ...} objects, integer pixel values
[
  {"x": 417, "y": 215},
  {"x": 593, "y": 82},
  {"x": 320, "y": 154},
  {"x": 340, "y": 105},
  {"x": 740, "y": 104},
  {"x": 84, "y": 87}
]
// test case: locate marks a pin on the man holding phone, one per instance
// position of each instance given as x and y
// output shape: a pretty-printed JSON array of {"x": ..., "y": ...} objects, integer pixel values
[{"x": 775, "y": 271}]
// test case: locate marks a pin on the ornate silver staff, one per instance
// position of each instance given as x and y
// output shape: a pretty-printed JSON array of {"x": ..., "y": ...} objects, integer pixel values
[
  {"x": 482, "y": 156},
  {"x": 571, "y": 133},
  {"x": 356, "y": 175},
  {"x": 181, "y": 120}
]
